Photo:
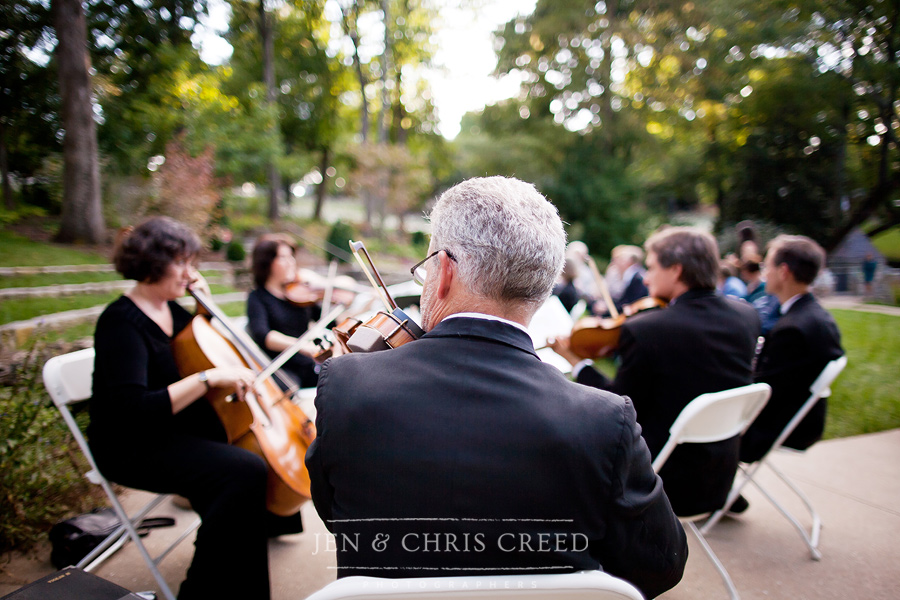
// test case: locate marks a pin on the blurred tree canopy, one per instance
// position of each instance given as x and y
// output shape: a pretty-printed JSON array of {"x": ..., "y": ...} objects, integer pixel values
[{"x": 784, "y": 111}]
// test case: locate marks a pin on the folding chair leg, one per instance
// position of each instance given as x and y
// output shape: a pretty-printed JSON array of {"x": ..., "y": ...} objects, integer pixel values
[
  {"x": 133, "y": 534},
  {"x": 812, "y": 538},
  {"x": 726, "y": 578},
  {"x": 746, "y": 476}
]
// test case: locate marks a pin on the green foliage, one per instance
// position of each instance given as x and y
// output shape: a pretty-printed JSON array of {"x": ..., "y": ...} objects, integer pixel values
[
  {"x": 864, "y": 398},
  {"x": 339, "y": 236},
  {"x": 598, "y": 195},
  {"x": 235, "y": 251},
  {"x": 787, "y": 151},
  {"x": 39, "y": 461}
]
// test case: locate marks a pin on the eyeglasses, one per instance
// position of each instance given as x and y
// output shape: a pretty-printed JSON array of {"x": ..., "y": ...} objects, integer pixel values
[{"x": 418, "y": 271}]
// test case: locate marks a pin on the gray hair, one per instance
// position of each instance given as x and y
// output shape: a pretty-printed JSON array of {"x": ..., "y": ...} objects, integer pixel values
[{"x": 508, "y": 239}]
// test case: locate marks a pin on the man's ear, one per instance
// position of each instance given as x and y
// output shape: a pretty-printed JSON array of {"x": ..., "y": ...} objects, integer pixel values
[{"x": 445, "y": 274}]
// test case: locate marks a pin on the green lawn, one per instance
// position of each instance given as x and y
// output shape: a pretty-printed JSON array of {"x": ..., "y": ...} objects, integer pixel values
[
  {"x": 20, "y": 309},
  {"x": 42, "y": 279},
  {"x": 866, "y": 396},
  {"x": 19, "y": 251},
  {"x": 888, "y": 243}
]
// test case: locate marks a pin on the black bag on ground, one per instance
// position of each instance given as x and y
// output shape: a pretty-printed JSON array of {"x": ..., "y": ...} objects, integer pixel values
[{"x": 74, "y": 538}]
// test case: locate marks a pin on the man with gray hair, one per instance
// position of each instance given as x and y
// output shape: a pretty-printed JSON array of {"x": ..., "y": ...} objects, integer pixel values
[{"x": 461, "y": 452}]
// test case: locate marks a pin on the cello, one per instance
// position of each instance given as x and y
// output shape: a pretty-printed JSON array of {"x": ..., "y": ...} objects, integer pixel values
[{"x": 265, "y": 421}]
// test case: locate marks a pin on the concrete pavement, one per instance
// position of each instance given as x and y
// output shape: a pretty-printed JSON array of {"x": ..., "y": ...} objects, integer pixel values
[{"x": 853, "y": 482}]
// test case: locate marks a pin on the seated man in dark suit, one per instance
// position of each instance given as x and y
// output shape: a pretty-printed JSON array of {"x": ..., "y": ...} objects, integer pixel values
[
  {"x": 461, "y": 452},
  {"x": 803, "y": 340},
  {"x": 702, "y": 342}
]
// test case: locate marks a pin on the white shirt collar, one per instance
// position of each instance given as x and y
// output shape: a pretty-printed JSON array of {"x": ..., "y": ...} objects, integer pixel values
[
  {"x": 630, "y": 271},
  {"x": 789, "y": 303},
  {"x": 473, "y": 315}
]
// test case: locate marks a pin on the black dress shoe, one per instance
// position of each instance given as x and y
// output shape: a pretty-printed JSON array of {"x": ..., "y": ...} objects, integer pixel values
[{"x": 738, "y": 507}]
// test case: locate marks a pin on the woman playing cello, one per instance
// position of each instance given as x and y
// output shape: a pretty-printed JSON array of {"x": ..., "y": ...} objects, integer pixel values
[{"x": 151, "y": 429}]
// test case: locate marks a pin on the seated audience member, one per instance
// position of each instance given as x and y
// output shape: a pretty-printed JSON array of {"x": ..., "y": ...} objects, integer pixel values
[
  {"x": 702, "y": 342},
  {"x": 275, "y": 322},
  {"x": 729, "y": 284},
  {"x": 804, "y": 339},
  {"x": 459, "y": 452},
  {"x": 626, "y": 261},
  {"x": 766, "y": 305},
  {"x": 585, "y": 282},
  {"x": 566, "y": 291}
]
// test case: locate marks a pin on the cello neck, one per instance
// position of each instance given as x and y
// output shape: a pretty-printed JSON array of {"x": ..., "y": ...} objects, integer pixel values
[{"x": 252, "y": 353}]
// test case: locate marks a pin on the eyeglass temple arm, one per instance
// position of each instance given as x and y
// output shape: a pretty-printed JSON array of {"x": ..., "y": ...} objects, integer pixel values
[{"x": 380, "y": 287}]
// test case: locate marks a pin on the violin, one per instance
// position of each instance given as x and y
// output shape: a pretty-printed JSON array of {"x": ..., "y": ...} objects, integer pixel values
[
  {"x": 387, "y": 329},
  {"x": 265, "y": 422},
  {"x": 591, "y": 337},
  {"x": 309, "y": 289}
]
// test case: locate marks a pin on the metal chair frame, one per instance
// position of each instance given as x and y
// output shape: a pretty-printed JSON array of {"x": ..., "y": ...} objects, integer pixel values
[
  {"x": 821, "y": 388},
  {"x": 68, "y": 379},
  {"x": 708, "y": 418}
]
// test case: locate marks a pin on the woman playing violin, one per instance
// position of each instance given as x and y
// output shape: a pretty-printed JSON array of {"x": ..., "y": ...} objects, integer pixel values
[
  {"x": 151, "y": 429},
  {"x": 275, "y": 321}
]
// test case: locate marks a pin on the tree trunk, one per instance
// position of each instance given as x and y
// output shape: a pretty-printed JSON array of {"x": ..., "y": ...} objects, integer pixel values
[
  {"x": 349, "y": 22},
  {"x": 322, "y": 187},
  {"x": 82, "y": 214},
  {"x": 8, "y": 200},
  {"x": 385, "y": 69},
  {"x": 268, "y": 60}
]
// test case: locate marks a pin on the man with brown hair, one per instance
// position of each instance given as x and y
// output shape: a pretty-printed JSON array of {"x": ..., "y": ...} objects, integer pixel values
[
  {"x": 702, "y": 342},
  {"x": 804, "y": 339}
]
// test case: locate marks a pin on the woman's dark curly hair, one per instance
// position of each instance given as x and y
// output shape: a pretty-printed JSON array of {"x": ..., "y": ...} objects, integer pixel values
[
  {"x": 264, "y": 252},
  {"x": 145, "y": 253}
]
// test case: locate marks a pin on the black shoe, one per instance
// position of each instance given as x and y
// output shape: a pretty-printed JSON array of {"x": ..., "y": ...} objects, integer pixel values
[{"x": 738, "y": 507}]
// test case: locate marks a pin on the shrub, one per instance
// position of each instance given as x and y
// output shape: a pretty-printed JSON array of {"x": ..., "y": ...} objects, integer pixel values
[
  {"x": 40, "y": 463},
  {"x": 235, "y": 251},
  {"x": 339, "y": 236}
]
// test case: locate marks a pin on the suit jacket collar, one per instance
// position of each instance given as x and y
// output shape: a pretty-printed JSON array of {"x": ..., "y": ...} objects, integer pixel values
[
  {"x": 803, "y": 300},
  {"x": 693, "y": 294},
  {"x": 496, "y": 331}
]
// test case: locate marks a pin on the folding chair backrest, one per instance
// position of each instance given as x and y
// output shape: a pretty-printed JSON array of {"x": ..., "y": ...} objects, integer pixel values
[
  {"x": 68, "y": 377},
  {"x": 715, "y": 416},
  {"x": 583, "y": 585},
  {"x": 821, "y": 387}
]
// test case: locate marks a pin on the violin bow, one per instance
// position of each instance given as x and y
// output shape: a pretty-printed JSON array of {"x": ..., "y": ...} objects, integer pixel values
[
  {"x": 314, "y": 331},
  {"x": 604, "y": 289},
  {"x": 380, "y": 287}
]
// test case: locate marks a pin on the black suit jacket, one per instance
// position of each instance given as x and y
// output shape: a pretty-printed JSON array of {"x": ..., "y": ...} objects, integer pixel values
[
  {"x": 635, "y": 290},
  {"x": 703, "y": 342},
  {"x": 796, "y": 350},
  {"x": 463, "y": 453}
]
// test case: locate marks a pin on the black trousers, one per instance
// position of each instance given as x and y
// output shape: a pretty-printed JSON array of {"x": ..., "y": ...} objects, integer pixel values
[{"x": 226, "y": 485}]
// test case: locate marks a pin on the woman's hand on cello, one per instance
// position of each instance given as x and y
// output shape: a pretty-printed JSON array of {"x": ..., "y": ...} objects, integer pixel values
[{"x": 240, "y": 378}]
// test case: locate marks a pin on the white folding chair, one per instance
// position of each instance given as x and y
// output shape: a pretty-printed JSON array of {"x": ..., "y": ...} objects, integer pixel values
[
  {"x": 68, "y": 379},
  {"x": 821, "y": 388},
  {"x": 582, "y": 585},
  {"x": 708, "y": 418}
]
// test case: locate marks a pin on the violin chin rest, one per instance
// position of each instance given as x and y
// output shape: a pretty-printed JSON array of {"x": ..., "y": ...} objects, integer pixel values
[{"x": 366, "y": 339}]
